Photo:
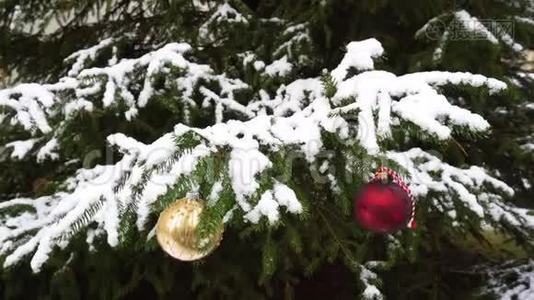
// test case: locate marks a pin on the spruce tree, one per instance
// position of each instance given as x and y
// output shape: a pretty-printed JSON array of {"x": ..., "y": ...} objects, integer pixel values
[{"x": 276, "y": 114}]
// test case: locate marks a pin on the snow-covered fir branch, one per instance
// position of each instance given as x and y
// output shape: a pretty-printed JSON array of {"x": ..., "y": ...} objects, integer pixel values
[
  {"x": 128, "y": 83},
  {"x": 369, "y": 280},
  {"x": 223, "y": 14},
  {"x": 510, "y": 280},
  {"x": 366, "y": 107},
  {"x": 471, "y": 188}
]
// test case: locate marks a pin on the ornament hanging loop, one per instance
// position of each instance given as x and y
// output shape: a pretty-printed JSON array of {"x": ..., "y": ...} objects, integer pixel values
[{"x": 192, "y": 195}]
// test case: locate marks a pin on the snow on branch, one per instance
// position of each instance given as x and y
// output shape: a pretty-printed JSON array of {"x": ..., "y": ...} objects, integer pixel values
[
  {"x": 294, "y": 36},
  {"x": 118, "y": 78},
  {"x": 472, "y": 188},
  {"x": 295, "y": 119},
  {"x": 92, "y": 197},
  {"x": 92, "y": 193},
  {"x": 293, "y": 47},
  {"x": 81, "y": 57},
  {"x": 511, "y": 280},
  {"x": 222, "y": 14},
  {"x": 525, "y": 20},
  {"x": 369, "y": 279},
  {"x": 20, "y": 148},
  {"x": 30, "y": 104},
  {"x": 418, "y": 100},
  {"x": 33, "y": 105},
  {"x": 360, "y": 55}
]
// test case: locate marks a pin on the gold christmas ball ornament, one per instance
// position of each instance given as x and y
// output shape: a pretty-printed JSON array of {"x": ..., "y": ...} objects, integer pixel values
[{"x": 176, "y": 231}]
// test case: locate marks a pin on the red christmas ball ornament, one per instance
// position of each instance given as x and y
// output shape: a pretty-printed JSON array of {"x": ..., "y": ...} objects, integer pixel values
[{"x": 385, "y": 204}]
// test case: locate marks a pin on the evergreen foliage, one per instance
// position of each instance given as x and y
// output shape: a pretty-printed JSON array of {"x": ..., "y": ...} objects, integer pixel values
[{"x": 111, "y": 110}]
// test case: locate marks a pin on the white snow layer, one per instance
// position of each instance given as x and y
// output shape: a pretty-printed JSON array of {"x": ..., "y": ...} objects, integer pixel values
[
  {"x": 295, "y": 118},
  {"x": 81, "y": 56},
  {"x": 511, "y": 280},
  {"x": 223, "y": 13},
  {"x": 20, "y": 148},
  {"x": 359, "y": 56},
  {"x": 32, "y": 105},
  {"x": 280, "y": 67},
  {"x": 371, "y": 291},
  {"x": 470, "y": 188}
]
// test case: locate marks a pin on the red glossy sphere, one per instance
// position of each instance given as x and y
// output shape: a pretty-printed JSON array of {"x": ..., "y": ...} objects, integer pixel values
[{"x": 383, "y": 207}]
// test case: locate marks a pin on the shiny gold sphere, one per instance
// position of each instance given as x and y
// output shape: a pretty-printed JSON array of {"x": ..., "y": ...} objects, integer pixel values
[{"x": 176, "y": 231}]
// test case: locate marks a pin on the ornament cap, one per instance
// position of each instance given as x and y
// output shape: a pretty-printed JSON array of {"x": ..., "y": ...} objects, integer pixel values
[
  {"x": 381, "y": 175},
  {"x": 193, "y": 195}
]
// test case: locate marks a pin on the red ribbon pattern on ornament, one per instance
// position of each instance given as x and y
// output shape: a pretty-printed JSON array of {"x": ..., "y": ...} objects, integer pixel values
[{"x": 379, "y": 175}]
